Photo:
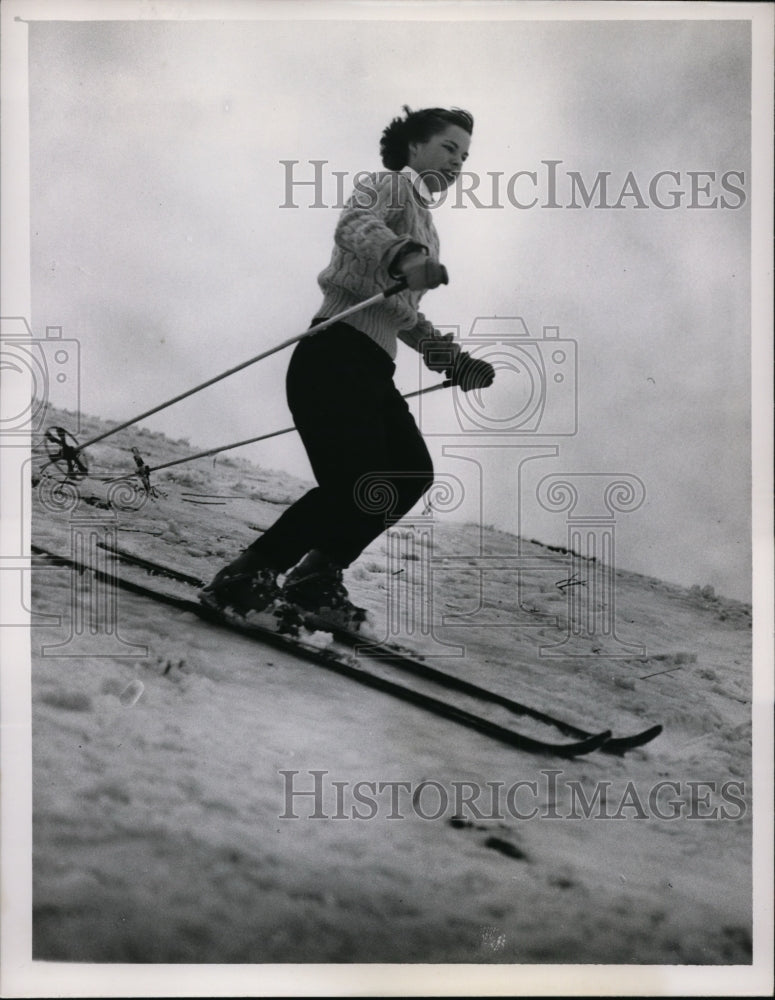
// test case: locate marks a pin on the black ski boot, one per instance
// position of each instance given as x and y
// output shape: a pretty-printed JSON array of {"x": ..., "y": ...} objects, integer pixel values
[
  {"x": 242, "y": 586},
  {"x": 316, "y": 585}
]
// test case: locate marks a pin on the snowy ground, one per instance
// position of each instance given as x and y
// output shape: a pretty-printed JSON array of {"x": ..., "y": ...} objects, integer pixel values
[{"x": 159, "y": 798}]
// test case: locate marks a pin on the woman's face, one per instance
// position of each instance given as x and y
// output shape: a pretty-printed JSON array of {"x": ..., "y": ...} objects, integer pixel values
[{"x": 440, "y": 159}]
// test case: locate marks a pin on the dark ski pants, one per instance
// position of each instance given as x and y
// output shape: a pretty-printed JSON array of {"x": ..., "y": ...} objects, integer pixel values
[{"x": 368, "y": 457}]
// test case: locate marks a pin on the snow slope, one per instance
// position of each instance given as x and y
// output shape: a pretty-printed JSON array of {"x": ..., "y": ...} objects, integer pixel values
[{"x": 162, "y": 770}]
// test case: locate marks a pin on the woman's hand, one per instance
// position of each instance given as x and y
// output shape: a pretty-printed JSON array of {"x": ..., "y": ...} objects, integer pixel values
[{"x": 421, "y": 273}]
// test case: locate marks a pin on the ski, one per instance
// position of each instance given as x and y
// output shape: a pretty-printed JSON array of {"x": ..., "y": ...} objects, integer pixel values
[
  {"x": 395, "y": 656},
  {"x": 404, "y": 660},
  {"x": 154, "y": 568},
  {"x": 338, "y": 664}
]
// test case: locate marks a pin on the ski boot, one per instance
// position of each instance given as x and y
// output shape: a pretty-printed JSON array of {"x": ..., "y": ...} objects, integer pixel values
[
  {"x": 316, "y": 586},
  {"x": 242, "y": 587}
]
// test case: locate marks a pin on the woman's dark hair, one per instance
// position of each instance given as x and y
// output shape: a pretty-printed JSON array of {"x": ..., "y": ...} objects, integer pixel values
[{"x": 418, "y": 126}]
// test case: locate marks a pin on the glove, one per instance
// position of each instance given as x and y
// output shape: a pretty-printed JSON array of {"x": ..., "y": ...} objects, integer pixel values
[
  {"x": 420, "y": 272},
  {"x": 439, "y": 353},
  {"x": 471, "y": 373}
]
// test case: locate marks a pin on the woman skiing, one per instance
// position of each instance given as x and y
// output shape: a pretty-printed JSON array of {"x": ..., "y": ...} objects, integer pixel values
[{"x": 352, "y": 420}]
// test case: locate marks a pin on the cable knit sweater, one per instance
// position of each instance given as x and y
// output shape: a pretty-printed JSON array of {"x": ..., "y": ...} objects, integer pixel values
[{"x": 383, "y": 215}]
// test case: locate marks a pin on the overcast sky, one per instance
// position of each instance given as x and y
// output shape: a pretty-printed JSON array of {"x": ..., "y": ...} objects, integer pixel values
[{"x": 160, "y": 242}]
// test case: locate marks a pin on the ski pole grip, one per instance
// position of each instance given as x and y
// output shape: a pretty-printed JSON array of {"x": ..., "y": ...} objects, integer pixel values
[{"x": 395, "y": 289}]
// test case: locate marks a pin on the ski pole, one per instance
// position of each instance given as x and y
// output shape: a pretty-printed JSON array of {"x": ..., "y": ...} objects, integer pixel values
[
  {"x": 261, "y": 437},
  {"x": 379, "y": 297}
]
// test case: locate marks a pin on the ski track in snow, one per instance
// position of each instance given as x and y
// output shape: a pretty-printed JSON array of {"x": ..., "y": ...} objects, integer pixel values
[{"x": 157, "y": 785}]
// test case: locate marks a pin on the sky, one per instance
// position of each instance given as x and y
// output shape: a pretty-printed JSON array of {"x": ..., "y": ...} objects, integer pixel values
[{"x": 163, "y": 242}]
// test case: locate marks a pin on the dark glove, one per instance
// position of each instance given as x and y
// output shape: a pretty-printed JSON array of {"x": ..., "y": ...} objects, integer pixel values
[
  {"x": 471, "y": 373},
  {"x": 420, "y": 272}
]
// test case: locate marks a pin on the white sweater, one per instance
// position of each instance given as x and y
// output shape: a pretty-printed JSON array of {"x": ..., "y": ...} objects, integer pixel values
[{"x": 384, "y": 213}]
